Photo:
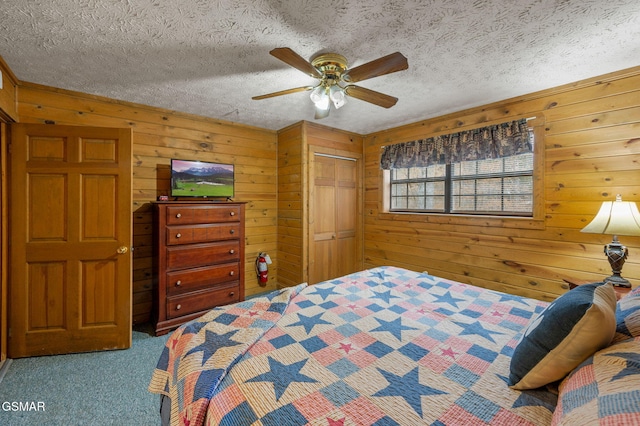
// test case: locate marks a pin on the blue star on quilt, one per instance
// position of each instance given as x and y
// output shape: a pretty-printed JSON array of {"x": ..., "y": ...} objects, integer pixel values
[
  {"x": 380, "y": 275},
  {"x": 633, "y": 364},
  {"x": 309, "y": 322},
  {"x": 212, "y": 343},
  {"x": 272, "y": 295},
  {"x": 384, "y": 295},
  {"x": 448, "y": 298},
  {"x": 282, "y": 375},
  {"x": 476, "y": 328},
  {"x": 394, "y": 327},
  {"x": 511, "y": 297},
  {"x": 407, "y": 387},
  {"x": 534, "y": 398},
  {"x": 324, "y": 292},
  {"x": 193, "y": 327}
]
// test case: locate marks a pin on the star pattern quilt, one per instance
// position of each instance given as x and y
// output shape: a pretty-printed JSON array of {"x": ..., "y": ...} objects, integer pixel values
[{"x": 386, "y": 346}]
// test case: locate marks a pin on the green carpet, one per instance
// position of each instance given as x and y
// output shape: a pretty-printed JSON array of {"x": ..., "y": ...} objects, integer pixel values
[{"x": 99, "y": 388}]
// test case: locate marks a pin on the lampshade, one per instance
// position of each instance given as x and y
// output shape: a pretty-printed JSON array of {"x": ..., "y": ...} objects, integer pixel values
[{"x": 615, "y": 218}]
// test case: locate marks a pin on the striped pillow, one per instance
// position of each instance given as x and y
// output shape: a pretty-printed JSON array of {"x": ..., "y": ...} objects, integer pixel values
[
  {"x": 628, "y": 316},
  {"x": 604, "y": 389}
]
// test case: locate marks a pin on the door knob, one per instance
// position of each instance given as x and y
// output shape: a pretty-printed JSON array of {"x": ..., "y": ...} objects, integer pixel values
[{"x": 122, "y": 249}]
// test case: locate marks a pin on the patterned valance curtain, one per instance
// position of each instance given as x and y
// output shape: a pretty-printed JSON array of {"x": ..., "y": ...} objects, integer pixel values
[{"x": 497, "y": 141}]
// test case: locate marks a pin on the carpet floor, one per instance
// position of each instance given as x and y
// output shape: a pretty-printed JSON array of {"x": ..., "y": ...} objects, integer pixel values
[{"x": 98, "y": 388}]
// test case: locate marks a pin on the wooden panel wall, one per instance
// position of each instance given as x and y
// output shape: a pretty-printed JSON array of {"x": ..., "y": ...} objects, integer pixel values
[
  {"x": 293, "y": 191},
  {"x": 591, "y": 148},
  {"x": 158, "y": 136},
  {"x": 292, "y": 205},
  {"x": 8, "y": 103}
]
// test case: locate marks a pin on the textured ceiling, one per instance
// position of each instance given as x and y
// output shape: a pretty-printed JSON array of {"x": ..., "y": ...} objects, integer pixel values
[{"x": 210, "y": 57}]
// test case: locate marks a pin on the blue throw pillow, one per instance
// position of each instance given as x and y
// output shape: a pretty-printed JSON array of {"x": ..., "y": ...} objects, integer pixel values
[{"x": 568, "y": 331}]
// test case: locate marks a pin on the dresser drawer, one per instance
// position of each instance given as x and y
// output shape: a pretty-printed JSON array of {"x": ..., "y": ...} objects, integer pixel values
[
  {"x": 193, "y": 279},
  {"x": 194, "y": 255},
  {"x": 201, "y": 233},
  {"x": 178, "y": 306},
  {"x": 177, "y": 215}
]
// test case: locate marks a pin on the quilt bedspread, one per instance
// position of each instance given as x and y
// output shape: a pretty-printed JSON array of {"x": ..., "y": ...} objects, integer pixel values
[
  {"x": 386, "y": 346},
  {"x": 199, "y": 354}
]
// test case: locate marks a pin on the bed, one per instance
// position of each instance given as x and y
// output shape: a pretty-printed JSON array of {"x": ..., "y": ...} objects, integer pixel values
[{"x": 389, "y": 346}]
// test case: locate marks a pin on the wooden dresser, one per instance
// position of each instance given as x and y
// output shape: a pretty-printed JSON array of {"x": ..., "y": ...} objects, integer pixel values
[{"x": 199, "y": 259}]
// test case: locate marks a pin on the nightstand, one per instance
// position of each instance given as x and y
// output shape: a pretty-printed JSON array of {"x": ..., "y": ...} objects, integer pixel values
[{"x": 620, "y": 291}]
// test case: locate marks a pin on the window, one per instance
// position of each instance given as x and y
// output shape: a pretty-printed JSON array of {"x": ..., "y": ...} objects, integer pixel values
[{"x": 496, "y": 186}]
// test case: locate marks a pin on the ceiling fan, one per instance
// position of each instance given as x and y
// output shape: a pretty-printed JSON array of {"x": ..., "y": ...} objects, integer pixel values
[{"x": 336, "y": 78}]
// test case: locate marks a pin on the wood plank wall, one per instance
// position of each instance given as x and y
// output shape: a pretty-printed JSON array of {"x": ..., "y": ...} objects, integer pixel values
[
  {"x": 292, "y": 205},
  {"x": 591, "y": 149},
  {"x": 158, "y": 136},
  {"x": 8, "y": 94},
  {"x": 293, "y": 191}
]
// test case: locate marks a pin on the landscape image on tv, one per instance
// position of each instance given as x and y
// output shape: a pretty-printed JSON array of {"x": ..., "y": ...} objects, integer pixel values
[{"x": 201, "y": 179}]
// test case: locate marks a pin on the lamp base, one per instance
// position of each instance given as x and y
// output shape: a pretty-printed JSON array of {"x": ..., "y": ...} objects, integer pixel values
[
  {"x": 617, "y": 254},
  {"x": 618, "y": 281}
]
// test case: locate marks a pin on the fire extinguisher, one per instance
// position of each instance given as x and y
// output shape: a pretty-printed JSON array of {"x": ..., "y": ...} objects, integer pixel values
[{"x": 262, "y": 268}]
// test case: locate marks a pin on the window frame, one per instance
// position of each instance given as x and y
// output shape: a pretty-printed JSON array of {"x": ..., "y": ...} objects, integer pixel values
[
  {"x": 449, "y": 180},
  {"x": 534, "y": 221}
]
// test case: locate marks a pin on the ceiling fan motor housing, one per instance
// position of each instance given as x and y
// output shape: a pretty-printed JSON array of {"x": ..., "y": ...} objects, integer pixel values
[{"x": 331, "y": 65}]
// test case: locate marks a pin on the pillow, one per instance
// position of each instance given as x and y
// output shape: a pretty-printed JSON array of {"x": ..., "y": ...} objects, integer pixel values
[
  {"x": 605, "y": 389},
  {"x": 628, "y": 316},
  {"x": 568, "y": 331}
]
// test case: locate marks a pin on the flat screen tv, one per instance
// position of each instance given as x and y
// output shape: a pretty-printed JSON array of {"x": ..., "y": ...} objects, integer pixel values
[{"x": 190, "y": 178}]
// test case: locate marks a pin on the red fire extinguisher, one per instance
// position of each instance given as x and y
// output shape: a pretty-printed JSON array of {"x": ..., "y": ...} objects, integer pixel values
[{"x": 262, "y": 268}]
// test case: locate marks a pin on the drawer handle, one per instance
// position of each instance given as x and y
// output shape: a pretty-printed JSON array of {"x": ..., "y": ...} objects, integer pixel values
[
  {"x": 232, "y": 273},
  {"x": 178, "y": 283},
  {"x": 178, "y": 235},
  {"x": 231, "y": 294},
  {"x": 179, "y": 215},
  {"x": 233, "y": 231},
  {"x": 178, "y": 307},
  {"x": 232, "y": 213},
  {"x": 232, "y": 251}
]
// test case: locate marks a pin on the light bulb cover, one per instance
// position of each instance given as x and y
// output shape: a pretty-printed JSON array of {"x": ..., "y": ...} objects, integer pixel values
[
  {"x": 316, "y": 94},
  {"x": 337, "y": 95}
]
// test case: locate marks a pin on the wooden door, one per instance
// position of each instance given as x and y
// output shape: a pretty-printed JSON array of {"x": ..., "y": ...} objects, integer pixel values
[
  {"x": 333, "y": 217},
  {"x": 70, "y": 273},
  {"x": 3, "y": 243}
]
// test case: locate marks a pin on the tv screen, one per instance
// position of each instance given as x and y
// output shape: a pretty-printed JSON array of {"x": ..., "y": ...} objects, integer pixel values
[{"x": 190, "y": 178}]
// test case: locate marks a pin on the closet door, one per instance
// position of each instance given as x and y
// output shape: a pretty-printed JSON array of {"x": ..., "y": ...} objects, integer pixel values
[{"x": 333, "y": 217}]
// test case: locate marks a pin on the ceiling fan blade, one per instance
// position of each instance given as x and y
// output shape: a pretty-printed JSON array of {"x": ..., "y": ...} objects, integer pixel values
[
  {"x": 282, "y": 92},
  {"x": 321, "y": 113},
  {"x": 292, "y": 58},
  {"x": 381, "y": 66},
  {"x": 371, "y": 96}
]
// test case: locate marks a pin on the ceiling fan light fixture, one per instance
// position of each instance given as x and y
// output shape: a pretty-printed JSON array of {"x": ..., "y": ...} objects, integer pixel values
[
  {"x": 320, "y": 97},
  {"x": 338, "y": 96},
  {"x": 336, "y": 78}
]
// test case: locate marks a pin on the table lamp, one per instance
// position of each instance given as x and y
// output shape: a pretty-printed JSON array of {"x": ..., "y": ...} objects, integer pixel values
[{"x": 617, "y": 218}]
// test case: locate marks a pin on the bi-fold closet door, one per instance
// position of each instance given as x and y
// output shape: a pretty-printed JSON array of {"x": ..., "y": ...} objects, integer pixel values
[{"x": 333, "y": 215}]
